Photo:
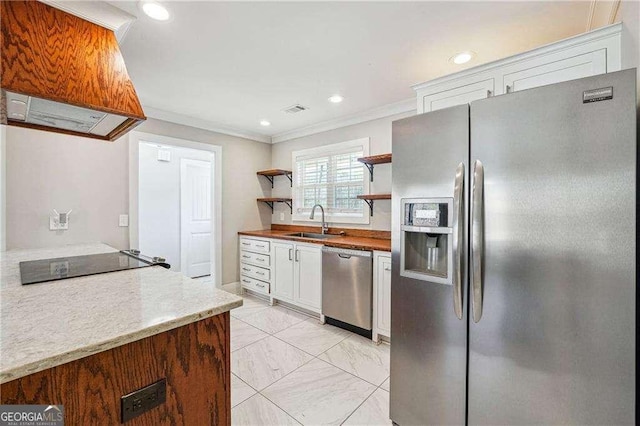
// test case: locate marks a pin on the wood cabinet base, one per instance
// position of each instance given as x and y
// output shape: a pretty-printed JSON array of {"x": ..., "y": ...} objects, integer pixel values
[{"x": 194, "y": 359}]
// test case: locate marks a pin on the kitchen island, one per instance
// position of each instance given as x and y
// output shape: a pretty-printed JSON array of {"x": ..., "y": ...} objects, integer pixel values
[{"x": 86, "y": 342}]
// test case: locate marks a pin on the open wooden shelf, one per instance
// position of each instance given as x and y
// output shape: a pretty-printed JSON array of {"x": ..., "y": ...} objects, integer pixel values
[
  {"x": 370, "y": 198},
  {"x": 270, "y": 201},
  {"x": 375, "y": 197},
  {"x": 271, "y": 173},
  {"x": 374, "y": 159}
]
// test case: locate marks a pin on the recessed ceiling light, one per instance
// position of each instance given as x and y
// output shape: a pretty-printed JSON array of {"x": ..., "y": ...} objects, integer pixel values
[
  {"x": 462, "y": 57},
  {"x": 336, "y": 99},
  {"x": 155, "y": 10},
  {"x": 265, "y": 123}
]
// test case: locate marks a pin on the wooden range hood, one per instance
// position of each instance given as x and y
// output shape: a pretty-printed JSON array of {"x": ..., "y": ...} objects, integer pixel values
[{"x": 63, "y": 74}]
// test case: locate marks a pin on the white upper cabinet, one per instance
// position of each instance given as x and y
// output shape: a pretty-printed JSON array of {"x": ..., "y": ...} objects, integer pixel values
[
  {"x": 459, "y": 95},
  {"x": 585, "y": 65},
  {"x": 592, "y": 53}
]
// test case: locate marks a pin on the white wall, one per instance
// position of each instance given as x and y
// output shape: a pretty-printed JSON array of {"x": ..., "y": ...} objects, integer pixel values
[
  {"x": 241, "y": 159},
  {"x": 46, "y": 171},
  {"x": 159, "y": 200},
  {"x": 629, "y": 14},
  {"x": 379, "y": 134}
]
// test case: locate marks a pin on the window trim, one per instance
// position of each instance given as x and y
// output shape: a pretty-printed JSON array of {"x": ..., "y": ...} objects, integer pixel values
[{"x": 330, "y": 150}]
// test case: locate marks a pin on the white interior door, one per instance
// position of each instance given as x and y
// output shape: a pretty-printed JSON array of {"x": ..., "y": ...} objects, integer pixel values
[{"x": 195, "y": 217}]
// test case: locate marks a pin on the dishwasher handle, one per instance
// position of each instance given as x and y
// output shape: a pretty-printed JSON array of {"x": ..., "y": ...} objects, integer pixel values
[{"x": 344, "y": 256}]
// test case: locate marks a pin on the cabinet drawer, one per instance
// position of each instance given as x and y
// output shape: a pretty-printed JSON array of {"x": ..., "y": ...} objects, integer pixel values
[
  {"x": 255, "y": 272},
  {"x": 260, "y": 246},
  {"x": 255, "y": 258},
  {"x": 255, "y": 285}
]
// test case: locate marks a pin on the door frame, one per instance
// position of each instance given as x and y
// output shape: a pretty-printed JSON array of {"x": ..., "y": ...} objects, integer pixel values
[{"x": 135, "y": 138}]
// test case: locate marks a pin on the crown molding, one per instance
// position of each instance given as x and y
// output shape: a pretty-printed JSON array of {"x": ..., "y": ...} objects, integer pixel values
[
  {"x": 98, "y": 12},
  {"x": 199, "y": 123},
  {"x": 584, "y": 38},
  {"x": 601, "y": 13},
  {"x": 407, "y": 105}
]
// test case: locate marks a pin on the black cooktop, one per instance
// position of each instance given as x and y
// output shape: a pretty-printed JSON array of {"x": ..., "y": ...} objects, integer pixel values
[{"x": 39, "y": 271}]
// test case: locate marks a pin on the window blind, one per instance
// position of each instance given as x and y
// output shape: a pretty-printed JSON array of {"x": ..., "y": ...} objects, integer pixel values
[{"x": 332, "y": 179}]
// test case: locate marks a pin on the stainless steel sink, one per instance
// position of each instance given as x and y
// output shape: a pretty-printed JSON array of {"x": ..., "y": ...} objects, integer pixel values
[{"x": 312, "y": 235}]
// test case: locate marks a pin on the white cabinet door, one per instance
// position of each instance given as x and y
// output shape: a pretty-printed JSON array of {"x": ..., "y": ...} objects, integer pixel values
[
  {"x": 458, "y": 96},
  {"x": 195, "y": 217},
  {"x": 579, "y": 66},
  {"x": 308, "y": 285},
  {"x": 283, "y": 270},
  {"x": 383, "y": 295}
]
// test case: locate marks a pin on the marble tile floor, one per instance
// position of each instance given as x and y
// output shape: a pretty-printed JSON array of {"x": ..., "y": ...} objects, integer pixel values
[{"x": 289, "y": 369}]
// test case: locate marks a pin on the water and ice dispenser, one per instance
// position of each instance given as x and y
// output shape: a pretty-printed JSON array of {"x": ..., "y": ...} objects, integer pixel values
[{"x": 426, "y": 241}]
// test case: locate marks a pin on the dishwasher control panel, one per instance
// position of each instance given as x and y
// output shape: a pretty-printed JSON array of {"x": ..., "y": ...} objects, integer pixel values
[{"x": 349, "y": 252}]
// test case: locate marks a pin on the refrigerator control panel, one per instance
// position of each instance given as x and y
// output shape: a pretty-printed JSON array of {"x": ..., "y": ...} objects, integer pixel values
[
  {"x": 426, "y": 214},
  {"x": 426, "y": 239}
]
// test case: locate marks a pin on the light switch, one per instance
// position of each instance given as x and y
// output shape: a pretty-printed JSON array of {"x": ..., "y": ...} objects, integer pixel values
[
  {"x": 281, "y": 216},
  {"x": 59, "y": 221},
  {"x": 124, "y": 220}
]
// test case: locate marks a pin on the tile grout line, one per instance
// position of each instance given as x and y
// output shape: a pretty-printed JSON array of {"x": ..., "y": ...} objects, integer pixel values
[
  {"x": 259, "y": 392},
  {"x": 271, "y": 402},
  {"x": 348, "y": 372},
  {"x": 376, "y": 387},
  {"x": 360, "y": 405},
  {"x": 314, "y": 356}
]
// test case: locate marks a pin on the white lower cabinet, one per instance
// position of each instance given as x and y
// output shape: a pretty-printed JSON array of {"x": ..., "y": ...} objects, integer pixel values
[
  {"x": 297, "y": 274},
  {"x": 308, "y": 276},
  {"x": 255, "y": 264},
  {"x": 381, "y": 295},
  {"x": 283, "y": 267}
]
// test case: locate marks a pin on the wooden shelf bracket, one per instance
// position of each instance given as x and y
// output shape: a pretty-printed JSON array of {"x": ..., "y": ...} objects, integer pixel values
[
  {"x": 372, "y": 160},
  {"x": 271, "y": 201},
  {"x": 369, "y": 199},
  {"x": 272, "y": 173},
  {"x": 370, "y": 168},
  {"x": 370, "y": 202}
]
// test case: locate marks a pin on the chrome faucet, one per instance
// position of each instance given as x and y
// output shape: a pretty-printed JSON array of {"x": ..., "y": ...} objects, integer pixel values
[{"x": 325, "y": 226}]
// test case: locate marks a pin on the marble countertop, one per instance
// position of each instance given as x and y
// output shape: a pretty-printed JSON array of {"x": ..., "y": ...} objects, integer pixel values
[{"x": 49, "y": 324}]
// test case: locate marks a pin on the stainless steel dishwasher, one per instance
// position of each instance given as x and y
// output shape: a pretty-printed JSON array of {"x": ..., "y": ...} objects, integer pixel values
[{"x": 347, "y": 288}]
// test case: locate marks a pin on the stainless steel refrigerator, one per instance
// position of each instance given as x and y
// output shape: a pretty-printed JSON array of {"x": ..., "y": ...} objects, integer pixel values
[{"x": 513, "y": 293}]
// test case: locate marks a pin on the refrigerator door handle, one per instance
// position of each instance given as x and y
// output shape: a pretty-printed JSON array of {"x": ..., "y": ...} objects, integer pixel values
[
  {"x": 477, "y": 238},
  {"x": 458, "y": 235}
]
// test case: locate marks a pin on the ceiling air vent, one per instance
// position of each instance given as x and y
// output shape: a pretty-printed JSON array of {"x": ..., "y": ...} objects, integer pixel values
[{"x": 295, "y": 108}]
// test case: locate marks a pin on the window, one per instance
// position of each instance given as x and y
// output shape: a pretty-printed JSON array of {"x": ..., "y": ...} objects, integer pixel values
[{"x": 331, "y": 176}]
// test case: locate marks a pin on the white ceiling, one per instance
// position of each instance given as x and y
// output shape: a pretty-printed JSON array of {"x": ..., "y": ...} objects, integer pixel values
[{"x": 235, "y": 63}]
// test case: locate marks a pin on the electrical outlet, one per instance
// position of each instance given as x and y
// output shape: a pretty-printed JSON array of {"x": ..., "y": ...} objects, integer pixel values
[
  {"x": 143, "y": 400},
  {"x": 55, "y": 225},
  {"x": 124, "y": 220},
  {"x": 281, "y": 216}
]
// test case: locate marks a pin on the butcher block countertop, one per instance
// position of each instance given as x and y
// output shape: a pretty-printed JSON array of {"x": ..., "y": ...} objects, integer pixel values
[
  {"x": 49, "y": 324},
  {"x": 357, "y": 239}
]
